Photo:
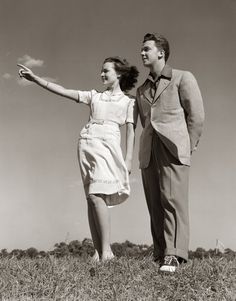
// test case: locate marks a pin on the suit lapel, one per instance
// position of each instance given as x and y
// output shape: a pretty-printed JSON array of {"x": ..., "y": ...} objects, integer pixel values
[
  {"x": 146, "y": 93},
  {"x": 163, "y": 84}
]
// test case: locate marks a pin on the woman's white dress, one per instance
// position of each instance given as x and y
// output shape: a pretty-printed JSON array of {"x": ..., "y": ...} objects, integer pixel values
[{"x": 102, "y": 165}]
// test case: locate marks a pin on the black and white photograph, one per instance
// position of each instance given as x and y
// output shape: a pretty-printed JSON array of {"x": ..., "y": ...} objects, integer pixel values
[{"x": 117, "y": 150}]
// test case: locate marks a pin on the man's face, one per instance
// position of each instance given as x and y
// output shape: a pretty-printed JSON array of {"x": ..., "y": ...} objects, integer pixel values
[{"x": 150, "y": 53}]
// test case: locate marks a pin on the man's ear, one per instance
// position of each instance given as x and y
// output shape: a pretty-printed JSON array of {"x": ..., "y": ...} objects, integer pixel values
[{"x": 161, "y": 54}]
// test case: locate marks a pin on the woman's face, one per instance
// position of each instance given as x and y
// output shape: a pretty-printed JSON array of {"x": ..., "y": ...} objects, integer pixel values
[{"x": 109, "y": 75}]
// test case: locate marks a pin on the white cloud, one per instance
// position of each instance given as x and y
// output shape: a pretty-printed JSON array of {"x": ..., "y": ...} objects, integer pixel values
[
  {"x": 30, "y": 62},
  {"x": 7, "y": 76}
]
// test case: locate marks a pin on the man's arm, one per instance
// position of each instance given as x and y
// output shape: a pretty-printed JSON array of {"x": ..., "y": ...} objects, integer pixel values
[{"x": 191, "y": 100}]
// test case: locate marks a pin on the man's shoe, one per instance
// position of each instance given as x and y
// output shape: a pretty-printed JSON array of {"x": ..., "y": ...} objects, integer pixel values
[{"x": 170, "y": 264}]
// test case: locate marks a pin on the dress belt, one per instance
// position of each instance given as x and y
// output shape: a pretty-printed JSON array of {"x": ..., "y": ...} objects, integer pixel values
[{"x": 102, "y": 121}]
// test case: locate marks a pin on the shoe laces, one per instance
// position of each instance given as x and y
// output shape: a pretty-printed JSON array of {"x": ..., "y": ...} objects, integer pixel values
[{"x": 169, "y": 259}]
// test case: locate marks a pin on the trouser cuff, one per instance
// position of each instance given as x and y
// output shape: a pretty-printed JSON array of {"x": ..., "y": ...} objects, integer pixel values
[{"x": 177, "y": 252}]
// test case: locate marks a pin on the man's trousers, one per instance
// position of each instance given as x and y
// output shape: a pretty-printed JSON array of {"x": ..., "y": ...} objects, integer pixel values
[{"x": 165, "y": 183}]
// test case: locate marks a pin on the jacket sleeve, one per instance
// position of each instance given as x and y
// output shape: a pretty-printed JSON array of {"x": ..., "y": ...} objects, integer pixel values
[
  {"x": 191, "y": 101},
  {"x": 136, "y": 108}
]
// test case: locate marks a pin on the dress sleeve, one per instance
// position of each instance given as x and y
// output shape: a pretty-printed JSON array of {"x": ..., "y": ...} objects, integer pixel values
[
  {"x": 86, "y": 96},
  {"x": 131, "y": 111}
]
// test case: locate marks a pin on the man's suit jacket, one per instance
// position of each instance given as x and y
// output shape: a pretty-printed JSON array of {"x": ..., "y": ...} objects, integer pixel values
[{"x": 175, "y": 113}]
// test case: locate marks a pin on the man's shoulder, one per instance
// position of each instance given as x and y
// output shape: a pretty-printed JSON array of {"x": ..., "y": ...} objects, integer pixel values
[
  {"x": 182, "y": 76},
  {"x": 180, "y": 72}
]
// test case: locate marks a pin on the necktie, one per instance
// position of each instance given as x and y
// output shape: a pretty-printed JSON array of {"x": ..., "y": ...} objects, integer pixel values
[{"x": 153, "y": 88}]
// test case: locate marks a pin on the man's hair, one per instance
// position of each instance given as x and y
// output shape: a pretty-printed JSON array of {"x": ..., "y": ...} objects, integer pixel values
[{"x": 160, "y": 41}]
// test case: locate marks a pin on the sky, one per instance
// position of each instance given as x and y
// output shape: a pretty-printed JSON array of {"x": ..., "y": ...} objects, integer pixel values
[{"x": 41, "y": 194}]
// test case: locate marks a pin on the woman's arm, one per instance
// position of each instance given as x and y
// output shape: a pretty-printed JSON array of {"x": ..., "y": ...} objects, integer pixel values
[
  {"x": 129, "y": 145},
  {"x": 52, "y": 87}
]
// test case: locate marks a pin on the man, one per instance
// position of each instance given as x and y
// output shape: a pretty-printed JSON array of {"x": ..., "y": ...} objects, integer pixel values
[{"x": 170, "y": 107}]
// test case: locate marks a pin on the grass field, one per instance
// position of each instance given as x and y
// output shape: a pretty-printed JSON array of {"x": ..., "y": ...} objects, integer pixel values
[{"x": 122, "y": 279}]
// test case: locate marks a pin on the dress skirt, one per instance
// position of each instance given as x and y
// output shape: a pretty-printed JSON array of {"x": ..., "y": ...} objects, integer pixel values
[{"x": 102, "y": 165}]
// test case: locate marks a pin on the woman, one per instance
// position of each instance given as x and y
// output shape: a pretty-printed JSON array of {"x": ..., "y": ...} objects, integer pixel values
[{"x": 104, "y": 171}]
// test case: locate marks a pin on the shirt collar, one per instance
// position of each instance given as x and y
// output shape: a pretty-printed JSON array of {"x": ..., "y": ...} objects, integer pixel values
[{"x": 165, "y": 73}]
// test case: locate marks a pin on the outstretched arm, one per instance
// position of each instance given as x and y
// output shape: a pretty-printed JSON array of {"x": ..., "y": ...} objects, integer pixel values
[
  {"x": 129, "y": 145},
  {"x": 52, "y": 87}
]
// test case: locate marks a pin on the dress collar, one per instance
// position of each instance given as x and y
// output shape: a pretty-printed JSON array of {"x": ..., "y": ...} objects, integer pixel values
[{"x": 108, "y": 93}]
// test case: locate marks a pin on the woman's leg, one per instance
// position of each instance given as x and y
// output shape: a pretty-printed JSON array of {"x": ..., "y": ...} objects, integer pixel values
[
  {"x": 102, "y": 222},
  {"x": 94, "y": 232}
]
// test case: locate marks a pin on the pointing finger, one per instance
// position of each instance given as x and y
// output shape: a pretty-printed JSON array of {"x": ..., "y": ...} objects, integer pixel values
[{"x": 24, "y": 67}]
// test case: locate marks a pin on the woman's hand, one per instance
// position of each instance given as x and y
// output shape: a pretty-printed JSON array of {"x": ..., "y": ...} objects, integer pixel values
[
  {"x": 26, "y": 72},
  {"x": 128, "y": 164},
  {"x": 129, "y": 145}
]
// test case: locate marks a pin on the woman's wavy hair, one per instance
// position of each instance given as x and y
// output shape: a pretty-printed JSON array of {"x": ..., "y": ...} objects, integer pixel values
[{"x": 128, "y": 74}]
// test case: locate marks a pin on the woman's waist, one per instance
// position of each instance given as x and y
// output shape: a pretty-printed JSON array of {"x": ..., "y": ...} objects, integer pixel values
[
  {"x": 97, "y": 128},
  {"x": 103, "y": 122}
]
